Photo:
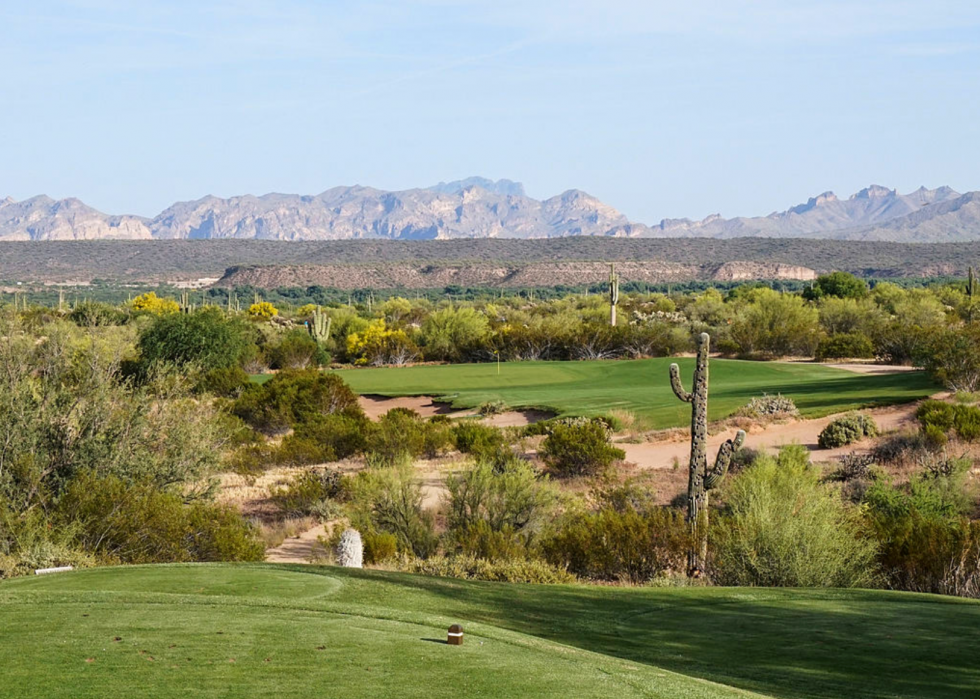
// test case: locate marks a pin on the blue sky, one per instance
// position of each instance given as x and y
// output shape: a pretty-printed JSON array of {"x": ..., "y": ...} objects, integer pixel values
[{"x": 661, "y": 109}]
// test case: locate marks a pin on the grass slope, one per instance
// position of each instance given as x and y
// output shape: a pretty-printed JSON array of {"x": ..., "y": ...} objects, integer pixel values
[
  {"x": 641, "y": 386},
  {"x": 263, "y": 630}
]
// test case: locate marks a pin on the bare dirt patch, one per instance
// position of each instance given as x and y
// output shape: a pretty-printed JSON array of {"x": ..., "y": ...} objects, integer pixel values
[
  {"x": 376, "y": 406},
  {"x": 664, "y": 454}
]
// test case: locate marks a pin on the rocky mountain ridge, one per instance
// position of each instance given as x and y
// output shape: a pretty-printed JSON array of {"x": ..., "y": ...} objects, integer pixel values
[{"x": 478, "y": 208}]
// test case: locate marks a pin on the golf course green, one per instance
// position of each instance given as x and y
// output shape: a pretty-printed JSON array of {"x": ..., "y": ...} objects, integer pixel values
[
  {"x": 261, "y": 630},
  {"x": 641, "y": 387}
]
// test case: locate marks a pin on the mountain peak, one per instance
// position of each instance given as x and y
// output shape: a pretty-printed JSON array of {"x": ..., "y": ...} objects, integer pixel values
[
  {"x": 874, "y": 191},
  {"x": 502, "y": 187}
]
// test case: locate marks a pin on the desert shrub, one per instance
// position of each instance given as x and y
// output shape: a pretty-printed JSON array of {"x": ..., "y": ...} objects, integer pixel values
[
  {"x": 389, "y": 500},
  {"x": 292, "y": 398},
  {"x": 340, "y": 435},
  {"x": 620, "y": 544},
  {"x": 847, "y": 429},
  {"x": 784, "y": 528},
  {"x": 226, "y": 382},
  {"x": 297, "y": 350},
  {"x": 90, "y": 314},
  {"x": 305, "y": 492},
  {"x": 151, "y": 303},
  {"x": 262, "y": 310},
  {"x": 379, "y": 546},
  {"x": 579, "y": 449},
  {"x": 900, "y": 449},
  {"x": 399, "y": 434},
  {"x": 137, "y": 523},
  {"x": 926, "y": 544},
  {"x": 495, "y": 514},
  {"x": 845, "y": 346},
  {"x": 938, "y": 419},
  {"x": 251, "y": 459},
  {"x": 855, "y": 466},
  {"x": 206, "y": 338},
  {"x": 299, "y": 450},
  {"x": 492, "y": 407},
  {"x": 437, "y": 437},
  {"x": 483, "y": 442},
  {"x": 520, "y": 570},
  {"x": 453, "y": 334},
  {"x": 769, "y": 407},
  {"x": 378, "y": 345},
  {"x": 253, "y": 360}
]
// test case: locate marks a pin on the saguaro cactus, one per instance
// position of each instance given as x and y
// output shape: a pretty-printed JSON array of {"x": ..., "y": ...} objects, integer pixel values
[
  {"x": 319, "y": 326},
  {"x": 971, "y": 285},
  {"x": 701, "y": 479},
  {"x": 613, "y": 293}
]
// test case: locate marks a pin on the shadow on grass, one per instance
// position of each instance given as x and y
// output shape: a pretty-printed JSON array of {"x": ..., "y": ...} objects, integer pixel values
[{"x": 786, "y": 643}]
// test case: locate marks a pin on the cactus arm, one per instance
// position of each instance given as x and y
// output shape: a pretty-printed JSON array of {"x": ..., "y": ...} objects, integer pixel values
[
  {"x": 675, "y": 383},
  {"x": 714, "y": 477}
]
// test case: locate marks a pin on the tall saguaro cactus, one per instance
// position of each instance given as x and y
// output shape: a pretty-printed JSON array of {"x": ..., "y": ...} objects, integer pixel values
[
  {"x": 320, "y": 326},
  {"x": 971, "y": 285},
  {"x": 613, "y": 293},
  {"x": 701, "y": 479}
]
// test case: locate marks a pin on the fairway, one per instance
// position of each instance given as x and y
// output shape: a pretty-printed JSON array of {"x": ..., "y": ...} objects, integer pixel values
[
  {"x": 262, "y": 631},
  {"x": 641, "y": 386}
]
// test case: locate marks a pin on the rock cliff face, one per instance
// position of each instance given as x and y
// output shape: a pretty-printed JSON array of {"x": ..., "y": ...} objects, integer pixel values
[
  {"x": 478, "y": 208},
  {"x": 570, "y": 273}
]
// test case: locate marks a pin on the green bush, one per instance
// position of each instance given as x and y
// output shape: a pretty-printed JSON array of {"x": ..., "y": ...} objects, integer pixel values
[
  {"x": 379, "y": 546},
  {"x": 783, "y": 527},
  {"x": 251, "y": 459},
  {"x": 137, "y": 523},
  {"x": 308, "y": 490},
  {"x": 398, "y": 435},
  {"x": 299, "y": 450},
  {"x": 296, "y": 350},
  {"x": 226, "y": 382},
  {"x": 389, "y": 500},
  {"x": 471, "y": 568},
  {"x": 341, "y": 435},
  {"x": 291, "y": 398},
  {"x": 847, "y": 429},
  {"x": 620, "y": 544},
  {"x": 581, "y": 449},
  {"x": 925, "y": 542},
  {"x": 845, "y": 346},
  {"x": 495, "y": 514},
  {"x": 938, "y": 419},
  {"x": 207, "y": 338},
  {"x": 90, "y": 314}
]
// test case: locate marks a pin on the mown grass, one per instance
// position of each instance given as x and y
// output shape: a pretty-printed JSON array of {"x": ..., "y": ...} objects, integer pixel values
[
  {"x": 262, "y": 630},
  {"x": 641, "y": 387}
]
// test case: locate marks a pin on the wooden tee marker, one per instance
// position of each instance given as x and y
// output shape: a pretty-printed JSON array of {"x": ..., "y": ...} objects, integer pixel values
[{"x": 455, "y": 636}]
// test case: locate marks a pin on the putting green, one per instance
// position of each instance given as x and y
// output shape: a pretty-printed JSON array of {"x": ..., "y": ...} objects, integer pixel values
[{"x": 641, "y": 387}]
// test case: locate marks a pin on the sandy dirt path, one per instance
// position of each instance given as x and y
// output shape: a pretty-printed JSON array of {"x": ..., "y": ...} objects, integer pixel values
[
  {"x": 299, "y": 549},
  {"x": 661, "y": 455}
]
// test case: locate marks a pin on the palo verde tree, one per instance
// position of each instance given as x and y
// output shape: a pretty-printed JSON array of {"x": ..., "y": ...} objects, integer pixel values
[{"x": 701, "y": 479}]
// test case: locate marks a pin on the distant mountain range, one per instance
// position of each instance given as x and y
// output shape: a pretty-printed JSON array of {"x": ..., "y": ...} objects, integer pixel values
[{"x": 480, "y": 208}]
